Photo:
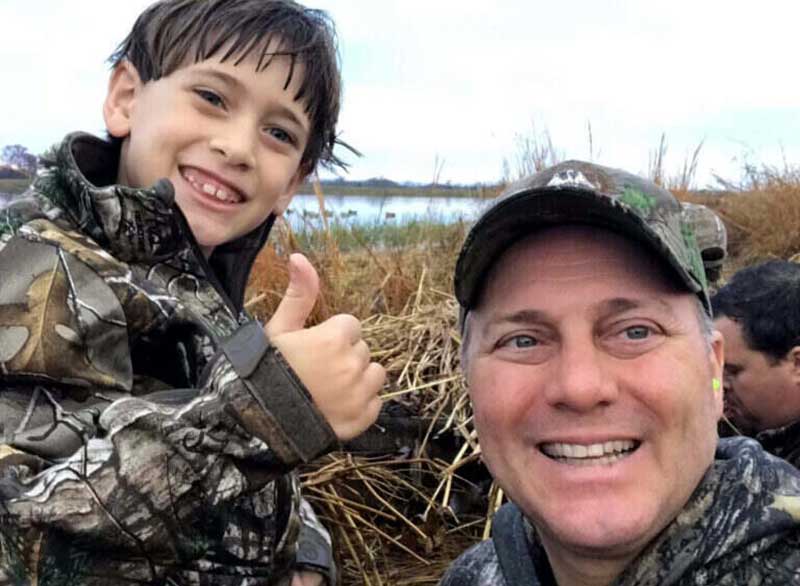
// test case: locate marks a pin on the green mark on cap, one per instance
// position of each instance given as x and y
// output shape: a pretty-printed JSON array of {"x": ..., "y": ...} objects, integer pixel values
[
  {"x": 638, "y": 200},
  {"x": 693, "y": 253}
]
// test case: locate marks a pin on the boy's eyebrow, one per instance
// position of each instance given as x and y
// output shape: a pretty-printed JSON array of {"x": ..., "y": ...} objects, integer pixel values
[
  {"x": 236, "y": 84},
  {"x": 221, "y": 75}
]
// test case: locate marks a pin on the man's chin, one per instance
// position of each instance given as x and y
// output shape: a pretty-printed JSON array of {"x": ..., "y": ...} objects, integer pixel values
[
  {"x": 606, "y": 529},
  {"x": 620, "y": 542}
]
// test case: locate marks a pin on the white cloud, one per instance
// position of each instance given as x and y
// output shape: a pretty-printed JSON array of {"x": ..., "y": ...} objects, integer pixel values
[{"x": 458, "y": 79}]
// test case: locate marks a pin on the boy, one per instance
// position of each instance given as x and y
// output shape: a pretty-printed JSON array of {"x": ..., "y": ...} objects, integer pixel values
[{"x": 150, "y": 426}]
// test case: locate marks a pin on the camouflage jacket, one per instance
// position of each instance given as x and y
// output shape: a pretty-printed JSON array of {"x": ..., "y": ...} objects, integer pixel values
[
  {"x": 149, "y": 428},
  {"x": 741, "y": 526},
  {"x": 783, "y": 442}
]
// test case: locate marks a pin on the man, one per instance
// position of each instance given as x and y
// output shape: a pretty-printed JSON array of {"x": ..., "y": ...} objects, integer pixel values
[
  {"x": 758, "y": 314},
  {"x": 594, "y": 375}
]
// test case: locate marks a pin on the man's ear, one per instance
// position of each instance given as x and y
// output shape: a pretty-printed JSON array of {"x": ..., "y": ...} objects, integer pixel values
[
  {"x": 123, "y": 87},
  {"x": 717, "y": 357},
  {"x": 286, "y": 197}
]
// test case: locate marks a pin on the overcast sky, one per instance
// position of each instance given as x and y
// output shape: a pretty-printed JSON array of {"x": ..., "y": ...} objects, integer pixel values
[{"x": 458, "y": 79}]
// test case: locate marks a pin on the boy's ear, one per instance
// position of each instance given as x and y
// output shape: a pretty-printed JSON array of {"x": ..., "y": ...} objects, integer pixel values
[
  {"x": 286, "y": 197},
  {"x": 123, "y": 86}
]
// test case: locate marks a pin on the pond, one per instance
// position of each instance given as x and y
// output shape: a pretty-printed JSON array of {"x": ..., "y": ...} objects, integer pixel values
[{"x": 367, "y": 209}]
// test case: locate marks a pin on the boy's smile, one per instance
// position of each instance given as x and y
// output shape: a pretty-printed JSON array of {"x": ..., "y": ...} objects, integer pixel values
[{"x": 229, "y": 138}]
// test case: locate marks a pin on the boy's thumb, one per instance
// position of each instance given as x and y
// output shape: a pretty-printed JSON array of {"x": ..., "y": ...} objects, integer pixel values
[{"x": 299, "y": 299}]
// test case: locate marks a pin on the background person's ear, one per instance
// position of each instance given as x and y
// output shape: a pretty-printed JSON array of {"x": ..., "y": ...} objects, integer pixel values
[
  {"x": 123, "y": 87},
  {"x": 794, "y": 358}
]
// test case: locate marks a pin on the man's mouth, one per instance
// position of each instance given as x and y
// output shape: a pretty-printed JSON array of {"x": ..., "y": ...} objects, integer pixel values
[
  {"x": 212, "y": 188},
  {"x": 596, "y": 454}
]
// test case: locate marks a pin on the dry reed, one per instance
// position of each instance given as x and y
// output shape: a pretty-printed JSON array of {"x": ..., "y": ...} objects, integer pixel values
[{"x": 400, "y": 517}]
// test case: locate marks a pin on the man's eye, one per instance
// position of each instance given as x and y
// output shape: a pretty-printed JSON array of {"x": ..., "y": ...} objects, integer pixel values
[
  {"x": 210, "y": 97},
  {"x": 523, "y": 341},
  {"x": 637, "y": 332}
]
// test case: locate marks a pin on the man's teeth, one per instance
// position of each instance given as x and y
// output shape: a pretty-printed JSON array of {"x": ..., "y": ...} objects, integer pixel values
[{"x": 591, "y": 454}]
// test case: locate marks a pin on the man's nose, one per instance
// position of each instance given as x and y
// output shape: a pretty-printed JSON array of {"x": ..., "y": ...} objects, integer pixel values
[{"x": 582, "y": 380}]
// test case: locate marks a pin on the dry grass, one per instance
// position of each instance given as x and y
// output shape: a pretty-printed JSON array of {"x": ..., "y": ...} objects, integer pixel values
[
  {"x": 763, "y": 219},
  {"x": 399, "y": 518},
  {"x": 369, "y": 280}
]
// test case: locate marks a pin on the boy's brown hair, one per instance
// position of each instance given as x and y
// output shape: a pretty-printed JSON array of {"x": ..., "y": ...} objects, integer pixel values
[{"x": 172, "y": 33}]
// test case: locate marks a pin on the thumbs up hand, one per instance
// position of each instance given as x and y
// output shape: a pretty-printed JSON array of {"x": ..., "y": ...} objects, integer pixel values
[{"x": 331, "y": 359}]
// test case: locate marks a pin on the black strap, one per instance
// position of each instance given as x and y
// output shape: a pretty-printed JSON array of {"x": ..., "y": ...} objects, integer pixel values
[
  {"x": 508, "y": 535},
  {"x": 294, "y": 428}
]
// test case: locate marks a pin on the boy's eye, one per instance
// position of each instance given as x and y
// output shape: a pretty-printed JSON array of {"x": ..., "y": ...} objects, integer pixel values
[
  {"x": 281, "y": 135},
  {"x": 210, "y": 97}
]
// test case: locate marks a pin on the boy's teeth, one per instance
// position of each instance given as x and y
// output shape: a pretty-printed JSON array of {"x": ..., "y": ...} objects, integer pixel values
[{"x": 212, "y": 190}]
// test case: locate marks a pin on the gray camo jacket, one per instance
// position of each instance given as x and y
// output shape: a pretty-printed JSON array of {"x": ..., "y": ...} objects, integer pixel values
[
  {"x": 741, "y": 527},
  {"x": 149, "y": 428}
]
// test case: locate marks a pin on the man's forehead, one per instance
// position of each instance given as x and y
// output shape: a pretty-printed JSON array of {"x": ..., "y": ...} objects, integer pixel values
[{"x": 560, "y": 251}]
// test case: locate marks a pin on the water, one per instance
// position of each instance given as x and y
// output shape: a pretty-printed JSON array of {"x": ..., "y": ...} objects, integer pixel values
[
  {"x": 372, "y": 209},
  {"x": 369, "y": 209}
]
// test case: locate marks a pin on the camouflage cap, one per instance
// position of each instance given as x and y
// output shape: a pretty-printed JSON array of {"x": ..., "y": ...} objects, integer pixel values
[{"x": 577, "y": 192}]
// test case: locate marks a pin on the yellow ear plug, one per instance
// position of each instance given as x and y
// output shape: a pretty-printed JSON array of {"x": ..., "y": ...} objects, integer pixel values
[{"x": 715, "y": 384}]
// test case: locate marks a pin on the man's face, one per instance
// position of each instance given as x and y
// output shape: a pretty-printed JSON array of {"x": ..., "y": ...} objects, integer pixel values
[
  {"x": 230, "y": 140},
  {"x": 759, "y": 392},
  {"x": 591, "y": 382}
]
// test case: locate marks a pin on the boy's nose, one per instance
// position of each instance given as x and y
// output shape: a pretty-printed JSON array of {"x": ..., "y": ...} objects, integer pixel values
[{"x": 236, "y": 146}]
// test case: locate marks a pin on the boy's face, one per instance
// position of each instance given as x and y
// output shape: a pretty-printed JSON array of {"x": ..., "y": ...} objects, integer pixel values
[{"x": 230, "y": 140}]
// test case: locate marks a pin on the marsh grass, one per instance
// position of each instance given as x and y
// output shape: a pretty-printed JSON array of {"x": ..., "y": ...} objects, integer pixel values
[{"x": 763, "y": 215}]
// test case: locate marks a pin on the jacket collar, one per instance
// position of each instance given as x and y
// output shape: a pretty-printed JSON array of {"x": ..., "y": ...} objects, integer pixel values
[
  {"x": 144, "y": 225},
  {"x": 783, "y": 442}
]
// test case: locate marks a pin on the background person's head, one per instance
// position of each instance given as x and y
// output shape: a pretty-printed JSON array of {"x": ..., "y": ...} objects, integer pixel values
[
  {"x": 758, "y": 313},
  {"x": 234, "y": 101},
  {"x": 589, "y": 357}
]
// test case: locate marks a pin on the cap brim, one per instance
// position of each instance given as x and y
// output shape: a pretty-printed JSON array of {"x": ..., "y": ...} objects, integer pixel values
[{"x": 526, "y": 212}]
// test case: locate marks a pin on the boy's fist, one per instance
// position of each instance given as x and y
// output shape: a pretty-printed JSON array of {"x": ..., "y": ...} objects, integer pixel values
[{"x": 331, "y": 358}]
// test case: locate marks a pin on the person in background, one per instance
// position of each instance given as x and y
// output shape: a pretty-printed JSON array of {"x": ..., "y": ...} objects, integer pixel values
[{"x": 758, "y": 313}]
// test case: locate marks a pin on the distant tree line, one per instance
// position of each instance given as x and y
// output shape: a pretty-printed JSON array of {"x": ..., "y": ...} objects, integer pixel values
[{"x": 18, "y": 160}]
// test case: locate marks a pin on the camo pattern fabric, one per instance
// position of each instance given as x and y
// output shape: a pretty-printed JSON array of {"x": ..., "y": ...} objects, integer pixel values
[
  {"x": 740, "y": 527},
  {"x": 783, "y": 442},
  {"x": 581, "y": 192},
  {"x": 126, "y": 457}
]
